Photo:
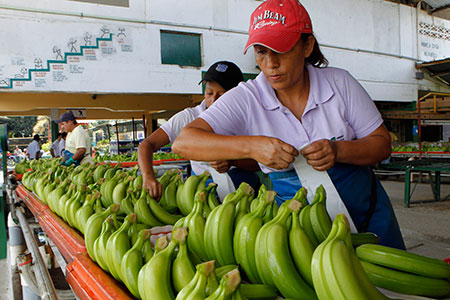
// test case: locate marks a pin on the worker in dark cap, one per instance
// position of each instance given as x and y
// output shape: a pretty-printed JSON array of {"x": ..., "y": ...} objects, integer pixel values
[
  {"x": 34, "y": 148},
  {"x": 220, "y": 77},
  {"x": 78, "y": 146}
]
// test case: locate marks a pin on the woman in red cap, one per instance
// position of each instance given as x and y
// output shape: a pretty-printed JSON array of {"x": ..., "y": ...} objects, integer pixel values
[
  {"x": 220, "y": 77},
  {"x": 296, "y": 101}
]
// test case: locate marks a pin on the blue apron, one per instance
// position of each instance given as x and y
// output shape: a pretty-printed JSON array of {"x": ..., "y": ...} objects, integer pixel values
[
  {"x": 67, "y": 155},
  {"x": 353, "y": 184}
]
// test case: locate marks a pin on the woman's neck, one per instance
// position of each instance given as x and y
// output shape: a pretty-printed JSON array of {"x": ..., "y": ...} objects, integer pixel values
[{"x": 296, "y": 97}]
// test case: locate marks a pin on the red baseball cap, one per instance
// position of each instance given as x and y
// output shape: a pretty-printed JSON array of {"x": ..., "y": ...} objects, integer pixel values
[{"x": 278, "y": 24}]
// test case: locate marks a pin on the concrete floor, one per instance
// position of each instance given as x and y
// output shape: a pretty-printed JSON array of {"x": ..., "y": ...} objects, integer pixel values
[{"x": 425, "y": 226}]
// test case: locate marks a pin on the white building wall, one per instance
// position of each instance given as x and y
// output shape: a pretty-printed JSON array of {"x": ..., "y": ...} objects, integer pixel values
[{"x": 376, "y": 40}]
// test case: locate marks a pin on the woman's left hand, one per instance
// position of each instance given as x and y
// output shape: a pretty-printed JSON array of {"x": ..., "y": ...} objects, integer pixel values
[
  {"x": 321, "y": 155},
  {"x": 220, "y": 166}
]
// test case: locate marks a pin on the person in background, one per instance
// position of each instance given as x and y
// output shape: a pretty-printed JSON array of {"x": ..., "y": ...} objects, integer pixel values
[
  {"x": 55, "y": 151},
  {"x": 34, "y": 148},
  {"x": 295, "y": 101},
  {"x": 62, "y": 143},
  {"x": 220, "y": 77},
  {"x": 18, "y": 154},
  {"x": 77, "y": 146}
]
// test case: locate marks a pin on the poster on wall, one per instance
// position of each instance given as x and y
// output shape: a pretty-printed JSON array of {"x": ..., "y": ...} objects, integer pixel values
[{"x": 73, "y": 62}]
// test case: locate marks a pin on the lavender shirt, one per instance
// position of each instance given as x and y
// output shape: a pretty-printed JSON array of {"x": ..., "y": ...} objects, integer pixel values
[{"x": 338, "y": 108}]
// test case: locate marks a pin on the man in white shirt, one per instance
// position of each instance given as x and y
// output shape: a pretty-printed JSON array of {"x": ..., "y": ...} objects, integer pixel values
[
  {"x": 62, "y": 143},
  {"x": 55, "y": 149},
  {"x": 78, "y": 146},
  {"x": 34, "y": 148}
]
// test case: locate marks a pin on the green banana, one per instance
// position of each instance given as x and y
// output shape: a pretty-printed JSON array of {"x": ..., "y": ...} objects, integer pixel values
[
  {"x": 196, "y": 289},
  {"x": 320, "y": 220},
  {"x": 219, "y": 228},
  {"x": 127, "y": 205},
  {"x": 135, "y": 229},
  {"x": 182, "y": 270},
  {"x": 228, "y": 285},
  {"x": 336, "y": 271},
  {"x": 120, "y": 190},
  {"x": 132, "y": 262},
  {"x": 179, "y": 197},
  {"x": 144, "y": 213},
  {"x": 212, "y": 285},
  {"x": 406, "y": 283},
  {"x": 305, "y": 223},
  {"x": 147, "y": 251},
  {"x": 118, "y": 244},
  {"x": 196, "y": 226},
  {"x": 258, "y": 291},
  {"x": 100, "y": 243},
  {"x": 262, "y": 265},
  {"x": 186, "y": 200},
  {"x": 359, "y": 239},
  {"x": 238, "y": 295},
  {"x": 284, "y": 275},
  {"x": 161, "y": 214},
  {"x": 221, "y": 271},
  {"x": 212, "y": 198},
  {"x": 301, "y": 249},
  {"x": 170, "y": 194},
  {"x": 154, "y": 280},
  {"x": 403, "y": 261},
  {"x": 245, "y": 236},
  {"x": 242, "y": 208},
  {"x": 94, "y": 226}
]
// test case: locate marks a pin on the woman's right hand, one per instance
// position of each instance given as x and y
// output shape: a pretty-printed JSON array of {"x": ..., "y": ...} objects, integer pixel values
[
  {"x": 153, "y": 186},
  {"x": 272, "y": 152}
]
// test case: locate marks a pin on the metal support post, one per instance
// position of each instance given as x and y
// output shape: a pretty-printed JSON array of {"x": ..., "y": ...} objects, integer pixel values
[
  {"x": 407, "y": 186},
  {"x": 43, "y": 280}
]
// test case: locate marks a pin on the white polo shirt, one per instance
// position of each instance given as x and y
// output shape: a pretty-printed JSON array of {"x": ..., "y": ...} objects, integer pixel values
[
  {"x": 338, "y": 108},
  {"x": 33, "y": 148},
  {"x": 76, "y": 139},
  {"x": 56, "y": 148},
  {"x": 173, "y": 128}
]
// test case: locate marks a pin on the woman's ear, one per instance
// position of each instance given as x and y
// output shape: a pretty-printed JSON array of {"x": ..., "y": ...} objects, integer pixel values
[{"x": 308, "y": 46}]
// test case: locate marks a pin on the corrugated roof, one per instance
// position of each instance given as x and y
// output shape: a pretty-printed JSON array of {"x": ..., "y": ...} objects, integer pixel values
[
  {"x": 437, "y": 4},
  {"x": 437, "y": 68}
]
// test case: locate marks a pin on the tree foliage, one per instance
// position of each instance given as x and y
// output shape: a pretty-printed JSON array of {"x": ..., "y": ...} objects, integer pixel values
[{"x": 21, "y": 126}]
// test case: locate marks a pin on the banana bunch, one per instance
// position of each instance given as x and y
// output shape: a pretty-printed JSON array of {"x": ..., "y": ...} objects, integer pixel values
[
  {"x": 186, "y": 192},
  {"x": 132, "y": 262},
  {"x": 336, "y": 270},
  {"x": 273, "y": 260},
  {"x": 197, "y": 287},
  {"x": 314, "y": 218},
  {"x": 154, "y": 279},
  {"x": 228, "y": 288},
  {"x": 404, "y": 272},
  {"x": 218, "y": 233},
  {"x": 94, "y": 226},
  {"x": 245, "y": 234}
]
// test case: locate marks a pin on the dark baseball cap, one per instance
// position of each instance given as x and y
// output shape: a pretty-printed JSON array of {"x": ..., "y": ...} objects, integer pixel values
[
  {"x": 225, "y": 73},
  {"x": 67, "y": 116}
]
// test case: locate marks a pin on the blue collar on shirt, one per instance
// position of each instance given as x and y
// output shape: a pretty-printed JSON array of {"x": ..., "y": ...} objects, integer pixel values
[{"x": 320, "y": 90}]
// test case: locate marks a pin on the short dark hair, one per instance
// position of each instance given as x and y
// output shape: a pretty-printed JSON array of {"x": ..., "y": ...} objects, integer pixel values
[
  {"x": 58, "y": 134},
  {"x": 63, "y": 134},
  {"x": 36, "y": 137},
  {"x": 317, "y": 59}
]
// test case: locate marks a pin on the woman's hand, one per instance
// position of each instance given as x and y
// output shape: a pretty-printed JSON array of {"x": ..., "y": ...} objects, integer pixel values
[
  {"x": 321, "y": 154},
  {"x": 273, "y": 152},
  {"x": 221, "y": 166},
  {"x": 153, "y": 186}
]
